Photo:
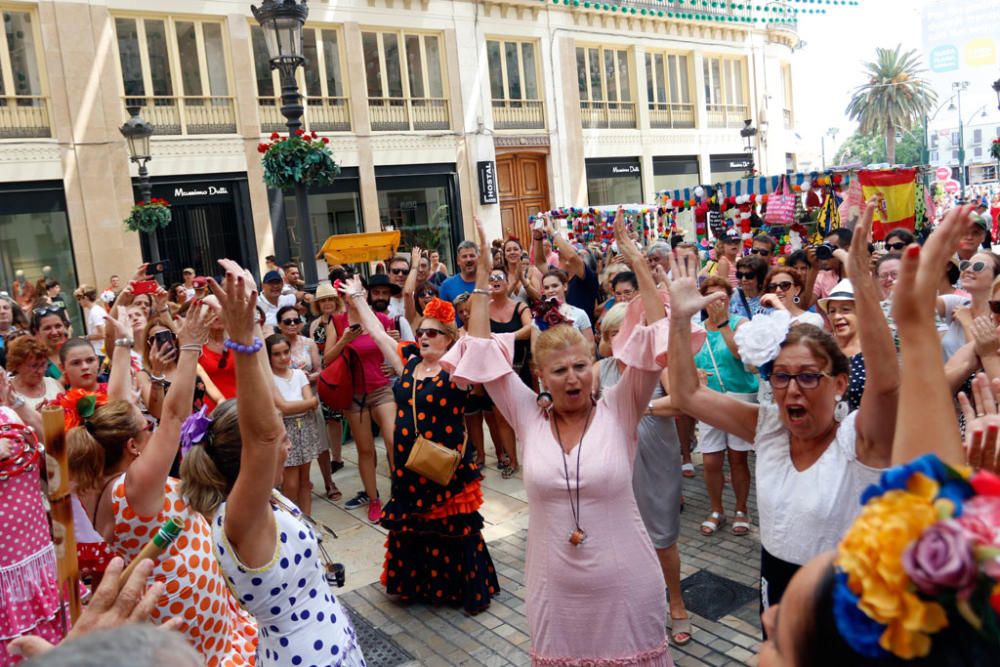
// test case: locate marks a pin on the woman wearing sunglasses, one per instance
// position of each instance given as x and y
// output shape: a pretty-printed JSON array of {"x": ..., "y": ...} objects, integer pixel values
[
  {"x": 751, "y": 272},
  {"x": 784, "y": 291},
  {"x": 304, "y": 353},
  {"x": 814, "y": 456},
  {"x": 436, "y": 553},
  {"x": 977, "y": 275}
]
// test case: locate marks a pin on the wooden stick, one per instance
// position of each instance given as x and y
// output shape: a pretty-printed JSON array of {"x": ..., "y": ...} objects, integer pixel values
[{"x": 63, "y": 535}]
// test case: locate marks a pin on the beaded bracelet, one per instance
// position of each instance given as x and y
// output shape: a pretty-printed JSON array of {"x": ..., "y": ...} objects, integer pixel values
[{"x": 244, "y": 349}]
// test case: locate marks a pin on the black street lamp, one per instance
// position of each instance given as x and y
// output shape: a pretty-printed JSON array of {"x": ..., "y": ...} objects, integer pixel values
[
  {"x": 137, "y": 133},
  {"x": 748, "y": 132},
  {"x": 282, "y": 22},
  {"x": 996, "y": 89}
]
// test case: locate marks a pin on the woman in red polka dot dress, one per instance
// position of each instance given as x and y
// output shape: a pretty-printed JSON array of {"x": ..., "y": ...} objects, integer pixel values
[
  {"x": 435, "y": 551},
  {"x": 121, "y": 470}
]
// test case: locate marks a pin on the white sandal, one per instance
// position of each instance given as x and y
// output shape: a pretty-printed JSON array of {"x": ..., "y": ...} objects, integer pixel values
[
  {"x": 741, "y": 524},
  {"x": 713, "y": 523}
]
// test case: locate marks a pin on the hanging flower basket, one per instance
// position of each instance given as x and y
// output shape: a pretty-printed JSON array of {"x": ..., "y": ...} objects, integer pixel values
[
  {"x": 149, "y": 217},
  {"x": 299, "y": 158},
  {"x": 995, "y": 150}
]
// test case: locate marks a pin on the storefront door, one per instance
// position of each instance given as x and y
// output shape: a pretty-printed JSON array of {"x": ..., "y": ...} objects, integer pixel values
[
  {"x": 211, "y": 221},
  {"x": 612, "y": 181},
  {"x": 524, "y": 190}
]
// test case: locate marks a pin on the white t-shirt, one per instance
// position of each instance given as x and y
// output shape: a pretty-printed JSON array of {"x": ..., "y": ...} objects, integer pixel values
[
  {"x": 396, "y": 307},
  {"x": 810, "y": 318},
  {"x": 271, "y": 311},
  {"x": 805, "y": 513},
  {"x": 95, "y": 319},
  {"x": 52, "y": 389},
  {"x": 290, "y": 388}
]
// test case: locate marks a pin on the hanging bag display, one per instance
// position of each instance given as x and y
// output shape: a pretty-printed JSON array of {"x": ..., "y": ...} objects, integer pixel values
[
  {"x": 781, "y": 205},
  {"x": 431, "y": 459}
]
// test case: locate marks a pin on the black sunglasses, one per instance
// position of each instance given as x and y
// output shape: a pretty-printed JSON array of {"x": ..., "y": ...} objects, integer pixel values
[
  {"x": 428, "y": 294},
  {"x": 784, "y": 286},
  {"x": 399, "y": 272},
  {"x": 223, "y": 358},
  {"x": 898, "y": 245},
  {"x": 750, "y": 275},
  {"x": 292, "y": 322},
  {"x": 760, "y": 251}
]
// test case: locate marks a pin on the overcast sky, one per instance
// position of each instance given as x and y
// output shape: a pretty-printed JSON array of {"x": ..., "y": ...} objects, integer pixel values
[{"x": 830, "y": 65}]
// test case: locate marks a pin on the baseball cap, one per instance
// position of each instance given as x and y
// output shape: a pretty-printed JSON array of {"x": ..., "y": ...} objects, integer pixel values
[
  {"x": 272, "y": 277},
  {"x": 983, "y": 221}
]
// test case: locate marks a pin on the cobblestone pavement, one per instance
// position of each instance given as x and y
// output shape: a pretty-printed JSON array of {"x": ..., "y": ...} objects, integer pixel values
[{"x": 726, "y": 632}]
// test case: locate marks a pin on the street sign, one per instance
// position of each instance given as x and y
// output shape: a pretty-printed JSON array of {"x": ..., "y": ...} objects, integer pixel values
[
  {"x": 952, "y": 186},
  {"x": 943, "y": 173}
]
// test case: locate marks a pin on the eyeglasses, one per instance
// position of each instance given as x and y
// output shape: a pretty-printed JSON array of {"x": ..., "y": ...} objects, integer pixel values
[
  {"x": 975, "y": 267},
  {"x": 497, "y": 277},
  {"x": 292, "y": 322},
  {"x": 399, "y": 272},
  {"x": 430, "y": 333},
  {"x": 899, "y": 245},
  {"x": 804, "y": 380},
  {"x": 783, "y": 286},
  {"x": 750, "y": 275},
  {"x": 760, "y": 251},
  {"x": 995, "y": 307},
  {"x": 888, "y": 275}
]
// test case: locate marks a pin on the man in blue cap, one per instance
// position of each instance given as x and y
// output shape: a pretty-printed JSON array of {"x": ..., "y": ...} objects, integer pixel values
[{"x": 271, "y": 299}]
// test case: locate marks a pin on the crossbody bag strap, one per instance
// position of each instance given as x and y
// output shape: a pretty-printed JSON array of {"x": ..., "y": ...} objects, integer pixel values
[
  {"x": 746, "y": 304},
  {"x": 715, "y": 366},
  {"x": 413, "y": 404}
]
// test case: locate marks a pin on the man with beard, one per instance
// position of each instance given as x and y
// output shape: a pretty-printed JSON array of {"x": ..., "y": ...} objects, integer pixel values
[
  {"x": 465, "y": 280},
  {"x": 272, "y": 300},
  {"x": 399, "y": 269},
  {"x": 380, "y": 291}
]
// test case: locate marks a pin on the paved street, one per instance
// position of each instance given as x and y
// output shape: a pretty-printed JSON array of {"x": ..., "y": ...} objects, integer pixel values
[{"x": 726, "y": 625}]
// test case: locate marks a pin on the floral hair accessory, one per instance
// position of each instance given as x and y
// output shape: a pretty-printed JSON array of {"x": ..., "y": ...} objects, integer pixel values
[
  {"x": 760, "y": 339},
  {"x": 547, "y": 314},
  {"x": 442, "y": 311},
  {"x": 923, "y": 553},
  {"x": 79, "y": 405},
  {"x": 195, "y": 430}
]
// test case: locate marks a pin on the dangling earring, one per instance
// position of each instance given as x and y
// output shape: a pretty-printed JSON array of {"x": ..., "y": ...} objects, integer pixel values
[
  {"x": 841, "y": 411},
  {"x": 796, "y": 299},
  {"x": 544, "y": 400}
]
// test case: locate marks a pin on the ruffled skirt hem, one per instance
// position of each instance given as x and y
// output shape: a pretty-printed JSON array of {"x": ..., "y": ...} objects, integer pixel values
[{"x": 658, "y": 657}]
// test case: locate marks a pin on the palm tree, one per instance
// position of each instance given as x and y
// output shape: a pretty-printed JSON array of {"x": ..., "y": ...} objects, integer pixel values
[{"x": 894, "y": 97}]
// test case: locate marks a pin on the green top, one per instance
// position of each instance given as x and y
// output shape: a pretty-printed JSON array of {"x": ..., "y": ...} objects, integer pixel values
[{"x": 735, "y": 377}]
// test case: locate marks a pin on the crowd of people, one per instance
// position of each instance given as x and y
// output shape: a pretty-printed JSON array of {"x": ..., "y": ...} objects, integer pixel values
[{"x": 861, "y": 376}]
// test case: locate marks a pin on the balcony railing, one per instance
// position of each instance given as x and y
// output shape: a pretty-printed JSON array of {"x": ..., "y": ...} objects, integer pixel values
[
  {"x": 727, "y": 115},
  {"x": 24, "y": 117},
  {"x": 408, "y": 113},
  {"x": 663, "y": 115},
  {"x": 786, "y": 115},
  {"x": 322, "y": 114},
  {"x": 608, "y": 115},
  {"x": 518, "y": 114},
  {"x": 187, "y": 115}
]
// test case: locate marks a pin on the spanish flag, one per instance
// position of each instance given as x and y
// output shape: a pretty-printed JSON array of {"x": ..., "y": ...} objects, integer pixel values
[{"x": 899, "y": 187}]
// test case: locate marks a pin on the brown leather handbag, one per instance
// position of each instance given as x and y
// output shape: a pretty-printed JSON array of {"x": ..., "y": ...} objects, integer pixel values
[{"x": 431, "y": 459}]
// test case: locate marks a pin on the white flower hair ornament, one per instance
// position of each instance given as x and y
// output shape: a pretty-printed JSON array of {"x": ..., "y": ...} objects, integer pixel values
[{"x": 760, "y": 339}]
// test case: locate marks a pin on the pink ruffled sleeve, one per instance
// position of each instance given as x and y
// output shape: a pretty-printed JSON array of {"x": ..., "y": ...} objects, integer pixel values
[{"x": 487, "y": 361}]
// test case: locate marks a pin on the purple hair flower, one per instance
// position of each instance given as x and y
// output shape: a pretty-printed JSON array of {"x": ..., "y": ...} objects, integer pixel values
[
  {"x": 942, "y": 559},
  {"x": 194, "y": 430}
]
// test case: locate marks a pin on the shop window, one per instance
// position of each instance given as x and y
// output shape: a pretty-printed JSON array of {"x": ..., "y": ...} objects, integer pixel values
[
  {"x": 675, "y": 173},
  {"x": 422, "y": 208},
  {"x": 327, "y": 108},
  {"x": 24, "y": 108},
  {"x": 614, "y": 181},
  {"x": 725, "y": 91},
  {"x": 405, "y": 81},
  {"x": 337, "y": 210},
  {"x": 176, "y": 71},
  {"x": 514, "y": 87},
  {"x": 604, "y": 78},
  {"x": 669, "y": 89}
]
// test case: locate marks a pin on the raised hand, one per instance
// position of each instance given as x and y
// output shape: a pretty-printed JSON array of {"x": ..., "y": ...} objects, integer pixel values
[
  {"x": 120, "y": 324},
  {"x": 626, "y": 244},
  {"x": 196, "y": 325},
  {"x": 140, "y": 274},
  {"x": 415, "y": 256},
  {"x": 685, "y": 299},
  {"x": 161, "y": 358},
  {"x": 982, "y": 424},
  {"x": 984, "y": 334},
  {"x": 859, "y": 260},
  {"x": 237, "y": 302},
  {"x": 352, "y": 287}
]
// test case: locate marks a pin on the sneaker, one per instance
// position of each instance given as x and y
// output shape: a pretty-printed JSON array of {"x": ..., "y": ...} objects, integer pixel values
[
  {"x": 375, "y": 510},
  {"x": 357, "y": 501}
]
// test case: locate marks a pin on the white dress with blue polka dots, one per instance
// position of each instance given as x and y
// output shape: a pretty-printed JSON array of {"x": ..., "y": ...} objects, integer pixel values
[{"x": 300, "y": 621}]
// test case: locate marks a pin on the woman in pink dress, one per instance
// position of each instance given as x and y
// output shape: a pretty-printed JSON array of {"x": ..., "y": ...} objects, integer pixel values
[{"x": 595, "y": 589}]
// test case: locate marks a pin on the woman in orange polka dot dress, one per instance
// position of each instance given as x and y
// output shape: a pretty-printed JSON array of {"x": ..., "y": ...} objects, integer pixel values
[
  {"x": 435, "y": 551},
  {"x": 121, "y": 470}
]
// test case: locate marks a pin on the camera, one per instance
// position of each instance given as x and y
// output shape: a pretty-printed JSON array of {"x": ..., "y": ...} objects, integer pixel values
[{"x": 824, "y": 251}]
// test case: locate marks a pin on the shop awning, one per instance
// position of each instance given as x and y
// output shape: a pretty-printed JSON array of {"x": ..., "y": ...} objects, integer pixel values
[
  {"x": 356, "y": 248},
  {"x": 759, "y": 185}
]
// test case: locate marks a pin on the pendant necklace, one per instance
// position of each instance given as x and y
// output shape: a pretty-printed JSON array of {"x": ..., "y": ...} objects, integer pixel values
[{"x": 578, "y": 536}]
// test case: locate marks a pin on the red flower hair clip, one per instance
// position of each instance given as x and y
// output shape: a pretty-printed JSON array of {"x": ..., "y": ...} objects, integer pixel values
[{"x": 442, "y": 311}]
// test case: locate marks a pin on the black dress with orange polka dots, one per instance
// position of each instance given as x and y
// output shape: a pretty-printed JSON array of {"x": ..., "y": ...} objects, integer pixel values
[{"x": 435, "y": 551}]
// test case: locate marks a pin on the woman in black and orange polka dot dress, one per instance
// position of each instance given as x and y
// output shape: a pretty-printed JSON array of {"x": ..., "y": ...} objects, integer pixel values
[{"x": 435, "y": 551}]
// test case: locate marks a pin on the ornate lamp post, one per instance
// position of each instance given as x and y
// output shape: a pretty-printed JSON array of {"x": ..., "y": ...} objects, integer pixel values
[
  {"x": 748, "y": 132},
  {"x": 137, "y": 133},
  {"x": 282, "y": 22}
]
